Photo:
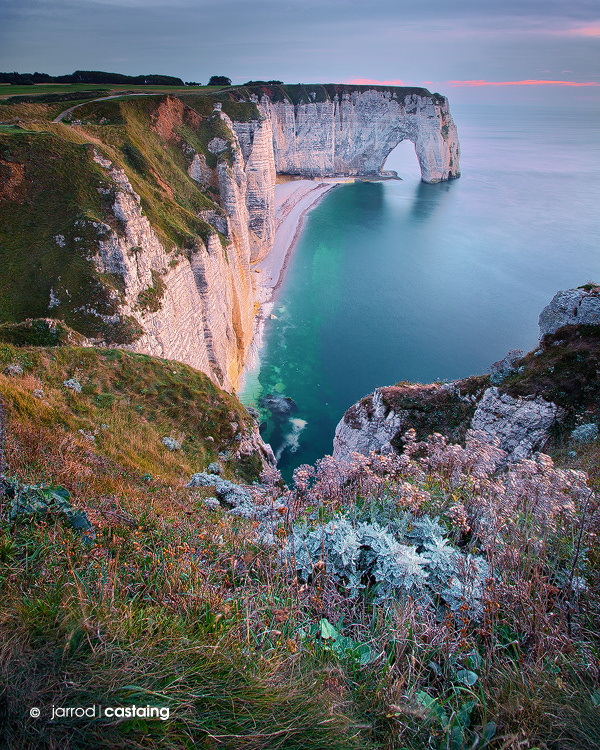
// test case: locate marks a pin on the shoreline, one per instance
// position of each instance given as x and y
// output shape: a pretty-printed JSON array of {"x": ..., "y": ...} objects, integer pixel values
[{"x": 294, "y": 199}]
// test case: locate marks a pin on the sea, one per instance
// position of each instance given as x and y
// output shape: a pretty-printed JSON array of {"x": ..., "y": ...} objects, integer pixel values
[{"x": 402, "y": 281}]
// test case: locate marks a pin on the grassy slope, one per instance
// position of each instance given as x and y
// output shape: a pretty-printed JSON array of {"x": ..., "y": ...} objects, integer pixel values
[
  {"x": 129, "y": 402},
  {"x": 173, "y": 605},
  {"x": 178, "y": 606},
  {"x": 58, "y": 185}
]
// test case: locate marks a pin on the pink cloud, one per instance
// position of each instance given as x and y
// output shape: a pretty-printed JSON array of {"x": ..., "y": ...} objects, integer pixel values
[
  {"x": 372, "y": 82},
  {"x": 522, "y": 83},
  {"x": 585, "y": 31}
]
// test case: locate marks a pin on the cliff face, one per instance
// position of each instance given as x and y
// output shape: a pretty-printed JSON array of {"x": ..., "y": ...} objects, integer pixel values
[
  {"x": 571, "y": 307},
  {"x": 189, "y": 308},
  {"x": 353, "y": 133}
]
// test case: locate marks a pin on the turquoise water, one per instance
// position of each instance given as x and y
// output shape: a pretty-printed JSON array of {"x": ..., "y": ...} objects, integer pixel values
[{"x": 401, "y": 280}]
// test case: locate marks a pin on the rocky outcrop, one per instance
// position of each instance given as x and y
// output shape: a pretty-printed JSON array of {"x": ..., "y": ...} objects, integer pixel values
[
  {"x": 378, "y": 421},
  {"x": 505, "y": 366},
  {"x": 556, "y": 386},
  {"x": 353, "y": 132},
  {"x": 521, "y": 424},
  {"x": 368, "y": 426},
  {"x": 256, "y": 144},
  {"x": 571, "y": 307}
]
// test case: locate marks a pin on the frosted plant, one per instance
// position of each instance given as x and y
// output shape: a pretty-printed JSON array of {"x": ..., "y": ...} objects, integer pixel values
[
  {"x": 443, "y": 562},
  {"x": 394, "y": 567},
  {"x": 426, "y": 530},
  {"x": 468, "y": 587},
  {"x": 335, "y": 543},
  {"x": 371, "y": 555},
  {"x": 520, "y": 517}
]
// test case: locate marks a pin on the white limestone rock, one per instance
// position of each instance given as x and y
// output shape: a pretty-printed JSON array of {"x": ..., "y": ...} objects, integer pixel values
[
  {"x": 216, "y": 145},
  {"x": 256, "y": 143},
  {"x": 505, "y": 366},
  {"x": 206, "y": 313},
  {"x": 367, "y": 426},
  {"x": 571, "y": 307},
  {"x": 521, "y": 424},
  {"x": 354, "y": 135},
  {"x": 199, "y": 170}
]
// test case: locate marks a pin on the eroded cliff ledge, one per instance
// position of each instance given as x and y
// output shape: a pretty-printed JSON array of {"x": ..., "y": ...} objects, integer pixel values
[{"x": 528, "y": 402}]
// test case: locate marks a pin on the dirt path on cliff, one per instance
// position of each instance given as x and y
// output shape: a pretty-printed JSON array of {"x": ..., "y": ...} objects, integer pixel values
[{"x": 62, "y": 115}]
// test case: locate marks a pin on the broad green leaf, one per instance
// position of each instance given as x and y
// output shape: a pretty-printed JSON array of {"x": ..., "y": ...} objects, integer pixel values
[
  {"x": 463, "y": 715},
  {"x": 365, "y": 654},
  {"x": 489, "y": 730},
  {"x": 457, "y": 738},
  {"x": 433, "y": 706},
  {"x": 328, "y": 630},
  {"x": 466, "y": 677}
]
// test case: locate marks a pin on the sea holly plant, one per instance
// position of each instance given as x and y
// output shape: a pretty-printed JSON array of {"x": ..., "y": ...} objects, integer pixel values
[{"x": 384, "y": 561}]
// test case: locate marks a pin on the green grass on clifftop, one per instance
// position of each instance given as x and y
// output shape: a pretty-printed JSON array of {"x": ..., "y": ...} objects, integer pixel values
[{"x": 128, "y": 403}]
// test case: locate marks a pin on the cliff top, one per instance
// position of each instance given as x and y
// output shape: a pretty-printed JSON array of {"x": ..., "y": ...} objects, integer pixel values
[{"x": 305, "y": 93}]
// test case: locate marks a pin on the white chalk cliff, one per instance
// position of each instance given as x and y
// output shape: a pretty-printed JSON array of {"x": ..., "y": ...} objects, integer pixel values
[{"x": 353, "y": 133}]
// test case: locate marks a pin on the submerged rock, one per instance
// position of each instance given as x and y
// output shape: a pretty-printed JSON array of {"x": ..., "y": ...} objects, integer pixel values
[{"x": 281, "y": 407}]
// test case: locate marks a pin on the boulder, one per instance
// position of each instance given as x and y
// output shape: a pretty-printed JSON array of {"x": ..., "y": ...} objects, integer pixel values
[
  {"x": 521, "y": 424},
  {"x": 505, "y": 367},
  {"x": 570, "y": 307}
]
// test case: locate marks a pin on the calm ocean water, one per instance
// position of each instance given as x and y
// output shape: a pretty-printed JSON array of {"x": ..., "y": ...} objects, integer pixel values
[{"x": 400, "y": 280}]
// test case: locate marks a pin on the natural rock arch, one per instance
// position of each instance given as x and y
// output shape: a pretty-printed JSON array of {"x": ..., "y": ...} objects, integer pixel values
[{"x": 352, "y": 134}]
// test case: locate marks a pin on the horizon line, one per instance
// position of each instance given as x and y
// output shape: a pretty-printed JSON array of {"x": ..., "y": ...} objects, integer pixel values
[{"x": 475, "y": 83}]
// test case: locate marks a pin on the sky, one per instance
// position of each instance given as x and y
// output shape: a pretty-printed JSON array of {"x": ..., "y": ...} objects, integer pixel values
[{"x": 463, "y": 48}]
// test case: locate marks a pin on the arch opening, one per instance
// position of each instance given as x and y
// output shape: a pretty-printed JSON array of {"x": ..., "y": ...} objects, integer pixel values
[{"x": 403, "y": 160}]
